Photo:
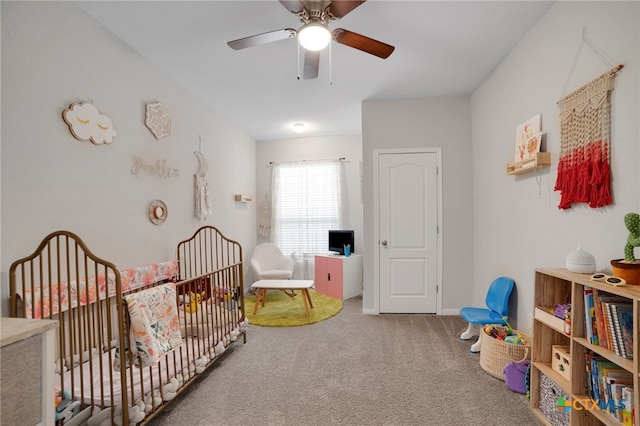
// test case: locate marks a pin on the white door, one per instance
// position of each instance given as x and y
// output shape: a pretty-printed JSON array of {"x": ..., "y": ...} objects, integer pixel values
[{"x": 408, "y": 232}]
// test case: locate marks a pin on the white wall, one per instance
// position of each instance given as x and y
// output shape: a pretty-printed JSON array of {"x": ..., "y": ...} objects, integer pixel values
[
  {"x": 330, "y": 147},
  {"x": 517, "y": 226},
  {"x": 54, "y": 55},
  {"x": 444, "y": 123}
]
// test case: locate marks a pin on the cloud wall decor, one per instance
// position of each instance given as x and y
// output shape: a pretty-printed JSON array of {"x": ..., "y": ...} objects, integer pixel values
[{"x": 87, "y": 123}]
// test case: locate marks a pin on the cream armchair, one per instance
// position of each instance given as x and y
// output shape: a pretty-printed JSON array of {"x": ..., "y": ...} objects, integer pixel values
[{"x": 268, "y": 263}]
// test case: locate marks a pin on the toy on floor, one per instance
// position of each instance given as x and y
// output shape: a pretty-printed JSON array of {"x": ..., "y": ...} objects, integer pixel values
[{"x": 515, "y": 376}]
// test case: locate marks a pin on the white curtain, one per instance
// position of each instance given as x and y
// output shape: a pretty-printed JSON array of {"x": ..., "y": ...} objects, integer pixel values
[{"x": 307, "y": 201}]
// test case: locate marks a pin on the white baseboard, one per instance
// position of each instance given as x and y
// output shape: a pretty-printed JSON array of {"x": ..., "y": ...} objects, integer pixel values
[{"x": 443, "y": 312}]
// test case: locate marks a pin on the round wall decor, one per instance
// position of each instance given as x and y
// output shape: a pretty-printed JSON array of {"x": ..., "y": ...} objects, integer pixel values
[{"x": 157, "y": 212}]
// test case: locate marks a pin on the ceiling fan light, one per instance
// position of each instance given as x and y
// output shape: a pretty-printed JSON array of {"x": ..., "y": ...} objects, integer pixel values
[
  {"x": 298, "y": 127},
  {"x": 314, "y": 36}
]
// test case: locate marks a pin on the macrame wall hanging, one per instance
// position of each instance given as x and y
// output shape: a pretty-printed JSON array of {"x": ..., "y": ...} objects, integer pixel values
[
  {"x": 584, "y": 173},
  {"x": 202, "y": 195}
]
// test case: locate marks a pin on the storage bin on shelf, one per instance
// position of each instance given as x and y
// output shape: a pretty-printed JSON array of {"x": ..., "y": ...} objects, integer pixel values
[
  {"x": 551, "y": 396},
  {"x": 495, "y": 354}
]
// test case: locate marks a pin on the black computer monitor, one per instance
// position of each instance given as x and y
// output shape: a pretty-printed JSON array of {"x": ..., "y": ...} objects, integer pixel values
[{"x": 338, "y": 238}]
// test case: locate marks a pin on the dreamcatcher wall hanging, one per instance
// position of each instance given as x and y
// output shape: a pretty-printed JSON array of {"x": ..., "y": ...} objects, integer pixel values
[
  {"x": 202, "y": 196},
  {"x": 584, "y": 173}
]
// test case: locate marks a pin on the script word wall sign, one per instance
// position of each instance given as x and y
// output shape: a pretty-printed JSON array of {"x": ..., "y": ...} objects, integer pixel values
[{"x": 158, "y": 169}]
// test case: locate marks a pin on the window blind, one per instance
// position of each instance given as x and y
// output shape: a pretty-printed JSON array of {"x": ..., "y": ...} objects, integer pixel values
[{"x": 307, "y": 202}]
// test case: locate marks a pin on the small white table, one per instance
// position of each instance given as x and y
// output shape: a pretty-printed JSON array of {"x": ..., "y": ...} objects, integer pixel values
[{"x": 263, "y": 285}]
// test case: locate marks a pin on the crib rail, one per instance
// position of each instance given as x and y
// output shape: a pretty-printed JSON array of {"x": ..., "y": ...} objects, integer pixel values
[
  {"x": 209, "y": 250},
  {"x": 64, "y": 281}
]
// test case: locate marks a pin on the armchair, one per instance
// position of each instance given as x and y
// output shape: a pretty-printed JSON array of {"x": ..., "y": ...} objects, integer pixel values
[{"x": 268, "y": 263}]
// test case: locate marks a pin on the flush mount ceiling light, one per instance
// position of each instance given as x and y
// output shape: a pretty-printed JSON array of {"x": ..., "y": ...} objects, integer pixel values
[
  {"x": 298, "y": 127},
  {"x": 314, "y": 36}
]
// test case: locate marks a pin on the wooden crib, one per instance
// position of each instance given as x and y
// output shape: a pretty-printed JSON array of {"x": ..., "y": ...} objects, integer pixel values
[{"x": 97, "y": 366}]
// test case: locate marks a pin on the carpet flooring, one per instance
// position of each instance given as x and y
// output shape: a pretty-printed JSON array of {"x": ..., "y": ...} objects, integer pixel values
[{"x": 352, "y": 369}]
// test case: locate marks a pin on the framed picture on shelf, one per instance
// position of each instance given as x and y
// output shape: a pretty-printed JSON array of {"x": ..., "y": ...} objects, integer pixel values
[
  {"x": 533, "y": 146},
  {"x": 528, "y": 138}
]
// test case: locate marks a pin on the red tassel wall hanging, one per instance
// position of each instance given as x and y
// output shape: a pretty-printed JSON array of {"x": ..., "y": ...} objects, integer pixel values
[{"x": 584, "y": 171}]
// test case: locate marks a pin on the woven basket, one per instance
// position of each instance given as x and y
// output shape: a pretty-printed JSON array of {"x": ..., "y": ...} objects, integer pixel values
[{"x": 496, "y": 354}]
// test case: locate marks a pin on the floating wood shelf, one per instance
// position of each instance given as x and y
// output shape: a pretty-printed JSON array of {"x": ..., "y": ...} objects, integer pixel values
[{"x": 541, "y": 159}]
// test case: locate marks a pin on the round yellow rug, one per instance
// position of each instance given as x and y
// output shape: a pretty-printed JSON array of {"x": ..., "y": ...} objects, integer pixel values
[{"x": 281, "y": 310}]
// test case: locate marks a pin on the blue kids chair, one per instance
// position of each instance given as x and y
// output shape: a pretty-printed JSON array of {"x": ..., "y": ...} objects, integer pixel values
[{"x": 496, "y": 312}]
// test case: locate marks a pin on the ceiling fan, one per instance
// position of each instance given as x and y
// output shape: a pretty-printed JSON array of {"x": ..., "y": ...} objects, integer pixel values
[{"x": 314, "y": 34}]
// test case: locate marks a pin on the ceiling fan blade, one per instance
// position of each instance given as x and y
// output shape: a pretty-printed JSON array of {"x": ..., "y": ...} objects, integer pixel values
[
  {"x": 293, "y": 6},
  {"x": 263, "y": 38},
  {"x": 311, "y": 65},
  {"x": 360, "y": 42},
  {"x": 340, "y": 8}
]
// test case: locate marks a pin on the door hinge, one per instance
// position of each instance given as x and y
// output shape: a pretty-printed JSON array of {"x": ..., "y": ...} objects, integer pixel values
[{"x": 437, "y": 289}]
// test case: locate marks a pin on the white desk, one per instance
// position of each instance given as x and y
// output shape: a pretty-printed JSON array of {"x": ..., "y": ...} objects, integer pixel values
[{"x": 263, "y": 285}]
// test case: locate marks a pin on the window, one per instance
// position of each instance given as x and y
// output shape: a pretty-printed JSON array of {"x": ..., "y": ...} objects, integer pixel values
[{"x": 307, "y": 202}]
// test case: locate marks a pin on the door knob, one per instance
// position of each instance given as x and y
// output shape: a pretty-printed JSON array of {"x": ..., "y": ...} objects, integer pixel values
[{"x": 384, "y": 242}]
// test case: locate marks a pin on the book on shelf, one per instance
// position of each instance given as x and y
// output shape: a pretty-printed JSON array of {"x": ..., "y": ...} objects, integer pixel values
[
  {"x": 612, "y": 342},
  {"x": 590, "y": 316},
  {"x": 599, "y": 325},
  {"x": 617, "y": 404},
  {"x": 603, "y": 326},
  {"x": 626, "y": 326},
  {"x": 600, "y": 368},
  {"x": 603, "y": 299},
  {"x": 613, "y": 381},
  {"x": 606, "y": 383},
  {"x": 595, "y": 364},
  {"x": 617, "y": 309},
  {"x": 628, "y": 412}
]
